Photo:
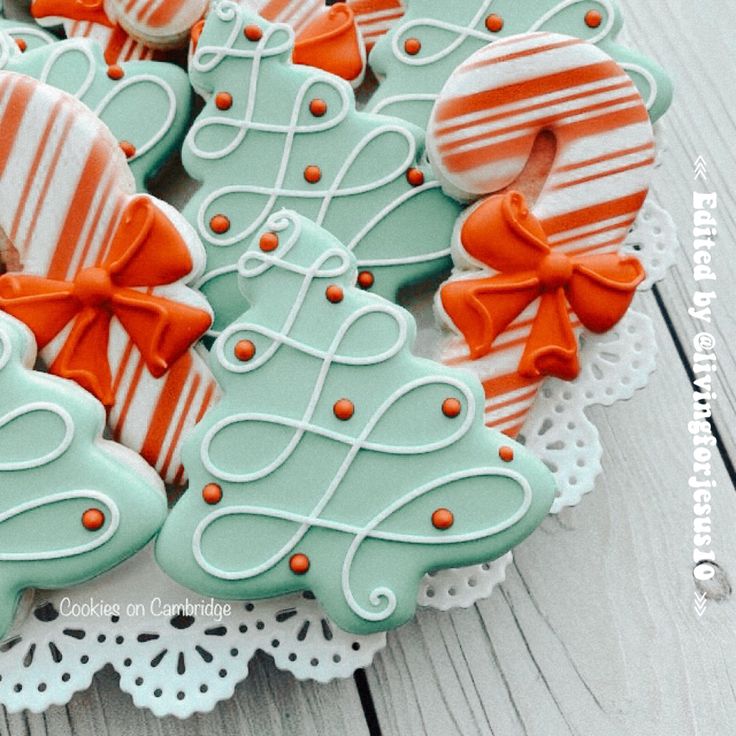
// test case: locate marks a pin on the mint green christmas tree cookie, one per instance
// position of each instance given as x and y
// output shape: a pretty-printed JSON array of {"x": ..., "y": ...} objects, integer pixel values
[
  {"x": 72, "y": 504},
  {"x": 145, "y": 104},
  {"x": 337, "y": 461},
  {"x": 415, "y": 59},
  {"x": 274, "y": 134}
]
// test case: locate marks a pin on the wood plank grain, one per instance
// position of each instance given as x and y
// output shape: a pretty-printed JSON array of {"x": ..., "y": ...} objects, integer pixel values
[
  {"x": 268, "y": 702},
  {"x": 694, "y": 41},
  {"x": 594, "y": 632}
]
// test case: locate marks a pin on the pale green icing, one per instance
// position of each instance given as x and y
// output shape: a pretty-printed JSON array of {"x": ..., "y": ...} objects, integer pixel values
[
  {"x": 252, "y": 157},
  {"x": 54, "y": 465},
  {"x": 449, "y": 32},
  {"x": 149, "y": 107},
  {"x": 33, "y": 36},
  {"x": 297, "y": 480}
]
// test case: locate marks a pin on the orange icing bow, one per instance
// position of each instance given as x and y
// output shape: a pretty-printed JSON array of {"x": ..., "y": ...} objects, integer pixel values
[
  {"x": 146, "y": 251},
  {"x": 91, "y": 11},
  {"x": 332, "y": 42},
  {"x": 505, "y": 236}
]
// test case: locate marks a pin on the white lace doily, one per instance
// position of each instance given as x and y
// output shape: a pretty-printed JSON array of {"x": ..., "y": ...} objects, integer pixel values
[{"x": 180, "y": 664}]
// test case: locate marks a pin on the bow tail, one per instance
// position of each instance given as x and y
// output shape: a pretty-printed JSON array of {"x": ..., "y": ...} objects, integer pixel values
[
  {"x": 84, "y": 356},
  {"x": 552, "y": 348},
  {"x": 482, "y": 309},
  {"x": 163, "y": 330}
]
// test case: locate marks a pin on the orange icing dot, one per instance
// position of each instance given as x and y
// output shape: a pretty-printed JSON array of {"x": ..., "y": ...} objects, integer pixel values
[
  {"x": 268, "y": 242},
  {"x": 443, "y": 519},
  {"x": 593, "y": 18},
  {"x": 253, "y": 33},
  {"x": 494, "y": 23},
  {"x": 312, "y": 174},
  {"x": 415, "y": 177},
  {"x": 220, "y": 224},
  {"x": 366, "y": 279},
  {"x": 224, "y": 100},
  {"x": 412, "y": 46},
  {"x": 115, "y": 72},
  {"x": 334, "y": 294},
  {"x": 93, "y": 519},
  {"x": 212, "y": 494},
  {"x": 299, "y": 564},
  {"x": 244, "y": 350},
  {"x": 344, "y": 409},
  {"x": 506, "y": 453},
  {"x": 451, "y": 408},
  {"x": 196, "y": 33},
  {"x": 318, "y": 107},
  {"x": 127, "y": 148},
  {"x": 21, "y": 44}
]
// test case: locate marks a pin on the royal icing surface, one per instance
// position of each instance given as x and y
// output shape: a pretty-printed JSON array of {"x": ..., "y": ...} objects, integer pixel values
[
  {"x": 415, "y": 59},
  {"x": 73, "y": 505},
  {"x": 25, "y": 36},
  {"x": 161, "y": 24},
  {"x": 529, "y": 276},
  {"x": 322, "y": 397},
  {"x": 91, "y": 20},
  {"x": 99, "y": 274},
  {"x": 274, "y": 135},
  {"x": 376, "y": 17},
  {"x": 146, "y": 105}
]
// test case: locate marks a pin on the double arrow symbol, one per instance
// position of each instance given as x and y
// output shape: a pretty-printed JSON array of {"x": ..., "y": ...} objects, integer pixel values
[
  {"x": 701, "y": 600},
  {"x": 700, "y": 168}
]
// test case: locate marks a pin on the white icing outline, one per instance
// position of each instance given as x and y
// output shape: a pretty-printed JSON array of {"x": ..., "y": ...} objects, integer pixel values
[
  {"x": 114, "y": 519},
  {"x": 50, "y": 456},
  {"x": 8, "y": 49},
  {"x": 465, "y": 32},
  {"x": 70, "y": 47},
  {"x": 207, "y": 58},
  {"x": 262, "y": 262}
]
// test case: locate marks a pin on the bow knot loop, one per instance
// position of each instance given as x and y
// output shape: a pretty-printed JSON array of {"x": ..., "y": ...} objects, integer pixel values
[
  {"x": 555, "y": 271},
  {"x": 93, "y": 287}
]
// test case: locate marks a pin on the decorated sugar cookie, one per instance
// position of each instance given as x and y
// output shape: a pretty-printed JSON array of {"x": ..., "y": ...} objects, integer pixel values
[
  {"x": 274, "y": 134},
  {"x": 326, "y": 38},
  {"x": 100, "y": 275},
  {"x": 323, "y": 402},
  {"x": 91, "y": 19},
  {"x": 72, "y": 504},
  {"x": 25, "y": 36},
  {"x": 160, "y": 24},
  {"x": 376, "y": 17},
  {"x": 145, "y": 104},
  {"x": 415, "y": 59},
  {"x": 295, "y": 13},
  {"x": 531, "y": 273}
]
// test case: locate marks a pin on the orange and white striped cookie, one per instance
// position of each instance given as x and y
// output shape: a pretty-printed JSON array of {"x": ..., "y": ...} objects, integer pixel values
[
  {"x": 160, "y": 24},
  {"x": 99, "y": 274},
  {"x": 295, "y": 13},
  {"x": 376, "y": 17},
  {"x": 531, "y": 274}
]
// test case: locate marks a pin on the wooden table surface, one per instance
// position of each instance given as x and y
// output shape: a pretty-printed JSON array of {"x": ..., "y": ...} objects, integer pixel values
[{"x": 594, "y": 633}]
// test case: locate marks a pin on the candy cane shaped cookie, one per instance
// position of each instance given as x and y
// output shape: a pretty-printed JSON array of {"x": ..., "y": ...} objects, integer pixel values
[
  {"x": 98, "y": 274},
  {"x": 531, "y": 275}
]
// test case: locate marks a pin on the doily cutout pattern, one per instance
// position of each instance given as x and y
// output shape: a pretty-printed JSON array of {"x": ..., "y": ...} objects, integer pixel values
[
  {"x": 614, "y": 366},
  {"x": 177, "y": 662}
]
